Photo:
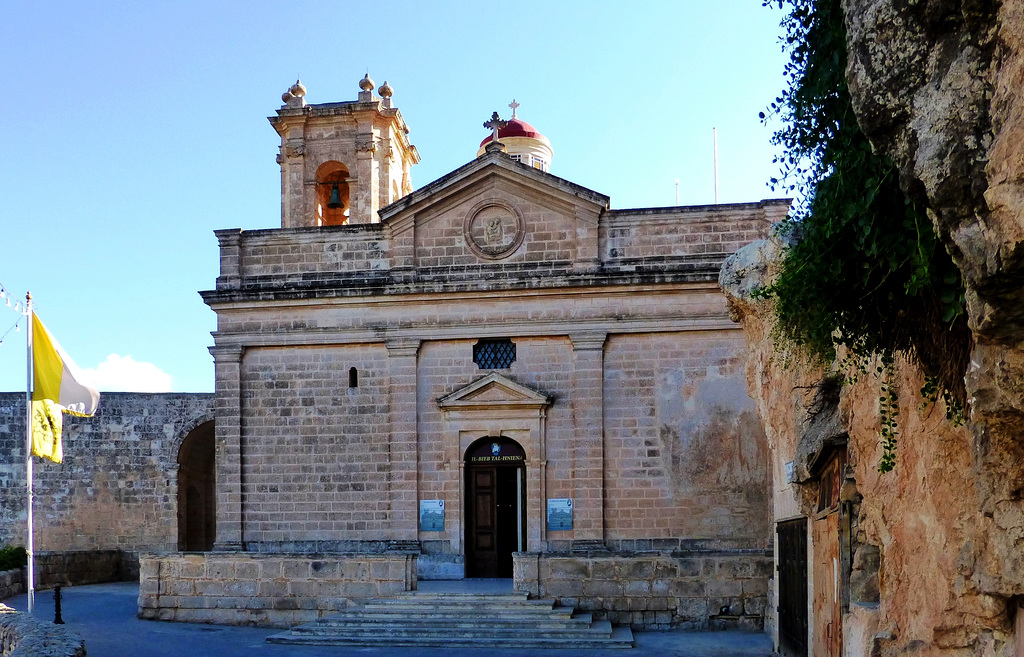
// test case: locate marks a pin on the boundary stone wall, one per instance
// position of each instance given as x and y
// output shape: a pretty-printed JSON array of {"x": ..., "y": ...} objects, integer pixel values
[
  {"x": 712, "y": 590},
  {"x": 118, "y": 485},
  {"x": 78, "y": 567},
  {"x": 12, "y": 583},
  {"x": 266, "y": 590},
  {"x": 21, "y": 635}
]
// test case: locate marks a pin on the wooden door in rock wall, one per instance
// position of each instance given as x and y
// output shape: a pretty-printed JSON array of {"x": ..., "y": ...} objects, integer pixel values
[
  {"x": 827, "y": 638},
  {"x": 792, "y": 544},
  {"x": 495, "y": 492},
  {"x": 828, "y": 613}
]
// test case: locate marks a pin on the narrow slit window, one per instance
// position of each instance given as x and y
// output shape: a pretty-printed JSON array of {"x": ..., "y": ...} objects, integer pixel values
[
  {"x": 494, "y": 354},
  {"x": 353, "y": 378}
]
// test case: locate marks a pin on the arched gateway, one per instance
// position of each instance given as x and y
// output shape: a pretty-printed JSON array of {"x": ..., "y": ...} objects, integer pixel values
[
  {"x": 196, "y": 494},
  {"x": 495, "y": 506}
]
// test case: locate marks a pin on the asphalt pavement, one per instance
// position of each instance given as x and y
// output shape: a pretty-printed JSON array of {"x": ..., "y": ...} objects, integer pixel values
[{"x": 105, "y": 616}]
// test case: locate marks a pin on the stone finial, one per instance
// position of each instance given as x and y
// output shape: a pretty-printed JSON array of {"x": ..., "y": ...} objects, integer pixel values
[
  {"x": 294, "y": 96},
  {"x": 366, "y": 84},
  {"x": 386, "y": 92}
]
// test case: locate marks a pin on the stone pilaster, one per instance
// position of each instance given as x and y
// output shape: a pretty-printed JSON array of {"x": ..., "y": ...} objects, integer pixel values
[
  {"x": 366, "y": 200},
  {"x": 588, "y": 418},
  {"x": 230, "y": 241},
  {"x": 292, "y": 159},
  {"x": 228, "y": 409},
  {"x": 402, "y": 356}
]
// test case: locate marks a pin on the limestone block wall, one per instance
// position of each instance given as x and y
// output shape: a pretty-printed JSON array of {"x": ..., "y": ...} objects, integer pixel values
[
  {"x": 542, "y": 363},
  {"x": 278, "y": 590},
  {"x": 117, "y": 486},
  {"x": 318, "y": 459},
  {"x": 650, "y": 235},
  {"x": 549, "y": 230},
  {"x": 551, "y": 240},
  {"x": 84, "y": 567},
  {"x": 12, "y": 582},
  {"x": 296, "y": 251},
  {"x": 683, "y": 457},
  {"x": 685, "y": 454},
  {"x": 696, "y": 590}
]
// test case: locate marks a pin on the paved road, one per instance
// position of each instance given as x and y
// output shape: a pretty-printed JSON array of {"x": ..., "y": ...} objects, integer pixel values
[{"x": 104, "y": 615}]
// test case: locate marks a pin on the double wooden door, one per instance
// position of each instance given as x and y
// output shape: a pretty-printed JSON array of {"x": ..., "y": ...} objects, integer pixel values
[{"x": 495, "y": 519}]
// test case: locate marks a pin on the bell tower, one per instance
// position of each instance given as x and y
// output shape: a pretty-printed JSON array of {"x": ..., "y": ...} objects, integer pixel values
[{"x": 341, "y": 162}]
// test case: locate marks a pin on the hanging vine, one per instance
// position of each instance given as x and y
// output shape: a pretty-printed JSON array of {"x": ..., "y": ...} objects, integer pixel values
[{"x": 864, "y": 271}]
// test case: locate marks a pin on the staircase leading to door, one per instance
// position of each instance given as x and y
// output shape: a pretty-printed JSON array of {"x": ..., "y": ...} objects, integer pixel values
[{"x": 459, "y": 620}]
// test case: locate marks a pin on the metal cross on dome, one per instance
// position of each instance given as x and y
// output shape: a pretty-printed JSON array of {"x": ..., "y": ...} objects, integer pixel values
[
  {"x": 514, "y": 105},
  {"x": 495, "y": 124}
]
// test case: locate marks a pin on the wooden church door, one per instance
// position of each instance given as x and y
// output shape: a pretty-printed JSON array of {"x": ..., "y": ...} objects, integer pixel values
[{"x": 494, "y": 495}]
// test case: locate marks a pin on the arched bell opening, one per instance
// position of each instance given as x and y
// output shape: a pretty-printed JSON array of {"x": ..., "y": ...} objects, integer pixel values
[
  {"x": 196, "y": 491},
  {"x": 495, "y": 506},
  {"x": 332, "y": 194}
]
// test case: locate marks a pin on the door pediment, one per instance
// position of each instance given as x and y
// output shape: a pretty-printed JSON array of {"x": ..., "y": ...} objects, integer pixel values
[{"x": 494, "y": 391}]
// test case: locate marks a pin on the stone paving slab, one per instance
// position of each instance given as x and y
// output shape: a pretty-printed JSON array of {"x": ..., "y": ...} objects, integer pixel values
[{"x": 105, "y": 615}]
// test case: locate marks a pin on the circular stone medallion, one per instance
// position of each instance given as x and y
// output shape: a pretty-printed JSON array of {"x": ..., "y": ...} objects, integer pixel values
[{"x": 494, "y": 229}]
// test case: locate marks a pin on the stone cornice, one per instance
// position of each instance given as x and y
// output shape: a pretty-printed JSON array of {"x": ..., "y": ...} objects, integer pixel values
[
  {"x": 447, "y": 281},
  {"x": 454, "y": 331}
]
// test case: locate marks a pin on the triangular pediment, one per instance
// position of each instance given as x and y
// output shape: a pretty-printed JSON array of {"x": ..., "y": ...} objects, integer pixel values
[
  {"x": 482, "y": 173},
  {"x": 494, "y": 391}
]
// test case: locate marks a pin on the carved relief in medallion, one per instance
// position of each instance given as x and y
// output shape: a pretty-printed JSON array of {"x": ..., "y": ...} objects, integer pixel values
[{"x": 494, "y": 229}]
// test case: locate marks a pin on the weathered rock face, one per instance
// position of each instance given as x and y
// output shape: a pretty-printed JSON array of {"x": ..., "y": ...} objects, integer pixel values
[
  {"x": 936, "y": 86},
  {"x": 918, "y": 534}
]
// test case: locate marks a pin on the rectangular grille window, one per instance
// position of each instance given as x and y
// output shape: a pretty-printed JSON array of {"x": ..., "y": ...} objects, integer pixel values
[{"x": 494, "y": 354}]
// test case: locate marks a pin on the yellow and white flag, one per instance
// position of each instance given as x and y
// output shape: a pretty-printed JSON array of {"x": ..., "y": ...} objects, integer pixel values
[{"x": 57, "y": 389}]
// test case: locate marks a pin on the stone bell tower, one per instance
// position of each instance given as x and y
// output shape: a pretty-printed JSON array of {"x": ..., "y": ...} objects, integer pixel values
[{"x": 341, "y": 162}]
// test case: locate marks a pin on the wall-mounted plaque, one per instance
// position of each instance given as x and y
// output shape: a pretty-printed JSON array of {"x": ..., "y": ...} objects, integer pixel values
[
  {"x": 559, "y": 514},
  {"x": 431, "y": 515}
]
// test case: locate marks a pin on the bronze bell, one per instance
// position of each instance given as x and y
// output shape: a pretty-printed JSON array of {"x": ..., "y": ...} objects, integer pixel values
[{"x": 335, "y": 201}]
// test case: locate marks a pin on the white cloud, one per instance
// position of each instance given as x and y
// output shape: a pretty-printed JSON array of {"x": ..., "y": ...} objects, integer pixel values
[{"x": 125, "y": 374}]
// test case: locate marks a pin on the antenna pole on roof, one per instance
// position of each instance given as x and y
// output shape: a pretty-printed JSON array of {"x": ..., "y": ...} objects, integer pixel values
[{"x": 714, "y": 136}]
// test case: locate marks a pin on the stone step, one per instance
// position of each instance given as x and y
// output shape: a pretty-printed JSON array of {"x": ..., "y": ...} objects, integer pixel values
[
  {"x": 455, "y": 595},
  {"x": 459, "y": 620},
  {"x": 510, "y": 634},
  {"x": 351, "y": 623},
  {"x": 605, "y": 637},
  {"x": 494, "y": 608},
  {"x": 557, "y": 614},
  {"x": 461, "y": 599}
]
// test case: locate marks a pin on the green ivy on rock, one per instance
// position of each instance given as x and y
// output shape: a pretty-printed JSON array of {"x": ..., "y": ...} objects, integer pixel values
[{"x": 863, "y": 270}]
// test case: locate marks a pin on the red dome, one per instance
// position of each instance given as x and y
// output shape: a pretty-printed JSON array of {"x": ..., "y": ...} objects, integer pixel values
[{"x": 516, "y": 128}]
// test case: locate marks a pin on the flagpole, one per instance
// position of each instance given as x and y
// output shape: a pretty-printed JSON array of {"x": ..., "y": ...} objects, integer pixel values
[{"x": 30, "y": 586}]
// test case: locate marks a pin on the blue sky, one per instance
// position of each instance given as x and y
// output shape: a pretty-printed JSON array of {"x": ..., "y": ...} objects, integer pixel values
[{"x": 133, "y": 130}]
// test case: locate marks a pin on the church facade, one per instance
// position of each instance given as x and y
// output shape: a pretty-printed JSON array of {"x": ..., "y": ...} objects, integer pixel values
[{"x": 494, "y": 375}]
